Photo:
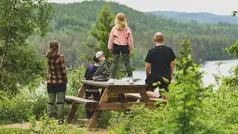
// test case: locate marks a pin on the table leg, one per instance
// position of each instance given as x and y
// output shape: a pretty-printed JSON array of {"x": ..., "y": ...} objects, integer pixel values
[
  {"x": 144, "y": 96},
  {"x": 74, "y": 107},
  {"x": 96, "y": 114},
  {"x": 122, "y": 98},
  {"x": 146, "y": 99}
]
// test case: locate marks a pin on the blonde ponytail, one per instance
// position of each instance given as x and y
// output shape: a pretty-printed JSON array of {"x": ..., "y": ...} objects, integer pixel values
[{"x": 120, "y": 21}]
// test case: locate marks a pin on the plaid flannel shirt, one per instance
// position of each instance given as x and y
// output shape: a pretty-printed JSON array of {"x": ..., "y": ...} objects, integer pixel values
[{"x": 56, "y": 70}]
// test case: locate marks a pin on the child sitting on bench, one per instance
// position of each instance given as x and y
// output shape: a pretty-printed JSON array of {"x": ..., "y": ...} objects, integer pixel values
[
  {"x": 102, "y": 73},
  {"x": 92, "y": 94}
]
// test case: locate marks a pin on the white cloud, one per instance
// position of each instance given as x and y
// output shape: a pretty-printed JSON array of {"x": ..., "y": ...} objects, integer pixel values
[{"x": 223, "y": 7}]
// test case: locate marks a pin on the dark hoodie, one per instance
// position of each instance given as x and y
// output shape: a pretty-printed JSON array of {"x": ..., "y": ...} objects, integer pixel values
[{"x": 102, "y": 72}]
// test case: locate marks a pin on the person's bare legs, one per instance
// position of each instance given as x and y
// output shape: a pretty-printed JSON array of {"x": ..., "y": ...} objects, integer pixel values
[{"x": 152, "y": 94}]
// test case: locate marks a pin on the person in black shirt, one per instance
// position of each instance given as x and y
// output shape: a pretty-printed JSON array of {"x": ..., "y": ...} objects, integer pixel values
[
  {"x": 91, "y": 93},
  {"x": 160, "y": 62}
]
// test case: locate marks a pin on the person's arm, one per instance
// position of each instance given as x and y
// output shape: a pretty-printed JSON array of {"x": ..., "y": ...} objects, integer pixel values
[
  {"x": 100, "y": 68},
  {"x": 86, "y": 73},
  {"x": 147, "y": 68},
  {"x": 130, "y": 40},
  {"x": 172, "y": 64},
  {"x": 111, "y": 40},
  {"x": 148, "y": 63}
]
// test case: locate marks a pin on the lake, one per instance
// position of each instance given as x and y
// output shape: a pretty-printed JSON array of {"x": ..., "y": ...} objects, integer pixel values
[{"x": 210, "y": 68}]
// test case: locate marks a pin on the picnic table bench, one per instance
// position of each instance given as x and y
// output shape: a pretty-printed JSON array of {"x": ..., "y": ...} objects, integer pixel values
[{"x": 117, "y": 96}]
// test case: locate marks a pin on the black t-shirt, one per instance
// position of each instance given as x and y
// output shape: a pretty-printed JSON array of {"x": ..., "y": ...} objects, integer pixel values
[{"x": 160, "y": 58}]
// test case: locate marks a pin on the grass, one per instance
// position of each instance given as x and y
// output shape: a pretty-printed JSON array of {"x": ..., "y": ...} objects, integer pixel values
[
  {"x": 25, "y": 129},
  {"x": 15, "y": 131}
]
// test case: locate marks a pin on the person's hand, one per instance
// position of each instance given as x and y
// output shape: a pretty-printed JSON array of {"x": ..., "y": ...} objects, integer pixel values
[
  {"x": 130, "y": 51},
  {"x": 110, "y": 50},
  {"x": 171, "y": 77}
]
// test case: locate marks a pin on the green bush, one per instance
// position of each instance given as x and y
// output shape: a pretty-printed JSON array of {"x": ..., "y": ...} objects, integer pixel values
[
  {"x": 46, "y": 125},
  {"x": 27, "y": 102},
  {"x": 136, "y": 121}
]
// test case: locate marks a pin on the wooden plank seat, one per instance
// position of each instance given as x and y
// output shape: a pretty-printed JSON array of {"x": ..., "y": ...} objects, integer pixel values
[
  {"x": 79, "y": 100},
  {"x": 137, "y": 96}
]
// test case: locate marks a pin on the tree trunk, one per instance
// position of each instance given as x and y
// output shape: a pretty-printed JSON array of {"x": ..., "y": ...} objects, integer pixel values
[{"x": 6, "y": 44}]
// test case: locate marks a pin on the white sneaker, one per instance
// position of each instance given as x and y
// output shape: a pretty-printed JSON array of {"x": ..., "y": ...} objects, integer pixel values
[
  {"x": 131, "y": 80},
  {"x": 110, "y": 81}
]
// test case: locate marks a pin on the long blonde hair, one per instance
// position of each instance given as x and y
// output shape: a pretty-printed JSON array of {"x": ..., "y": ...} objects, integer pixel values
[
  {"x": 120, "y": 21},
  {"x": 53, "y": 49}
]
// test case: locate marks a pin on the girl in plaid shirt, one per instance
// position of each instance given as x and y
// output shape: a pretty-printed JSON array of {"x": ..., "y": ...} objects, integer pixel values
[{"x": 56, "y": 81}]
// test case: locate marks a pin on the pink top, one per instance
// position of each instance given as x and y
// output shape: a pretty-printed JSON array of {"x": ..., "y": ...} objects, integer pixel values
[{"x": 121, "y": 38}]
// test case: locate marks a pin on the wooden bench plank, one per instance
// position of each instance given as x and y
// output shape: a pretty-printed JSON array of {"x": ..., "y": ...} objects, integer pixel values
[
  {"x": 121, "y": 106},
  {"x": 79, "y": 100},
  {"x": 137, "y": 96}
]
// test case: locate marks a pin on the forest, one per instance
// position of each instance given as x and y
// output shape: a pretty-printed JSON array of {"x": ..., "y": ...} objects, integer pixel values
[
  {"x": 70, "y": 24},
  {"x": 197, "y": 17},
  {"x": 26, "y": 27}
]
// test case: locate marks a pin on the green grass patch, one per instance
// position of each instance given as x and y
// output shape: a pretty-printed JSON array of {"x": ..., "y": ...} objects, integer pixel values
[{"x": 15, "y": 131}]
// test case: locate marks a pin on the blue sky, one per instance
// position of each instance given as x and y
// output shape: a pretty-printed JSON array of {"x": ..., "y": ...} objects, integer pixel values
[{"x": 220, "y": 7}]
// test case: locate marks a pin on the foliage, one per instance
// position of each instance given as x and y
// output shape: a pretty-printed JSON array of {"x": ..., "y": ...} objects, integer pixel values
[
  {"x": 71, "y": 22},
  {"x": 136, "y": 121},
  {"x": 196, "y": 18},
  {"x": 47, "y": 126},
  {"x": 24, "y": 66},
  {"x": 19, "y": 20},
  {"x": 191, "y": 108},
  {"x": 14, "y": 131},
  {"x": 30, "y": 100},
  {"x": 103, "y": 28},
  {"x": 183, "y": 110},
  {"x": 74, "y": 77},
  {"x": 234, "y": 13},
  {"x": 233, "y": 50}
]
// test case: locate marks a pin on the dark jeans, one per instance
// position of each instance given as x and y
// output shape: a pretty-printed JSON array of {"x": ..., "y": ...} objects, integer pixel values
[
  {"x": 92, "y": 95},
  {"x": 116, "y": 51},
  {"x": 154, "y": 81}
]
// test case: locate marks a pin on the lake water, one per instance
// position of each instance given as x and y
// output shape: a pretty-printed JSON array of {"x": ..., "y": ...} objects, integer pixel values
[{"x": 210, "y": 68}]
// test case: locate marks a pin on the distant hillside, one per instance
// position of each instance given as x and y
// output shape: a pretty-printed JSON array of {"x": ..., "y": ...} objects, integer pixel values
[
  {"x": 70, "y": 24},
  {"x": 199, "y": 17}
]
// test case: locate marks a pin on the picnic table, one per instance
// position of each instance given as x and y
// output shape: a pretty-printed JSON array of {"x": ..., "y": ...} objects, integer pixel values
[{"x": 117, "y": 96}]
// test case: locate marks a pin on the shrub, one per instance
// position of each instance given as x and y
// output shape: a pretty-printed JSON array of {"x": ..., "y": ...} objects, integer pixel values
[
  {"x": 27, "y": 102},
  {"x": 136, "y": 121}
]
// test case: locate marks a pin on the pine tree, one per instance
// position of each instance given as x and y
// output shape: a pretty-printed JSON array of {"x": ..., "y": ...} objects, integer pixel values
[
  {"x": 234, "y": 13},
  {"x": 186, "y": 95},
  {"x": 103, "y": 28}
]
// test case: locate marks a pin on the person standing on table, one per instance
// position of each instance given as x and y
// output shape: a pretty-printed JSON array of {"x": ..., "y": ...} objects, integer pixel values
[
  {"x": 56, "y": 81},
  {"x": 92, "y": 94},
  {"x": 120, "y": 42},
  {"x": 160, "y": 62},
  {"x": 102, "y": 73}
]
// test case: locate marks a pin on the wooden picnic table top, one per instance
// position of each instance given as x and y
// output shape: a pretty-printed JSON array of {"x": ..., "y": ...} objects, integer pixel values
[{"x": 117, "y": 83}]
